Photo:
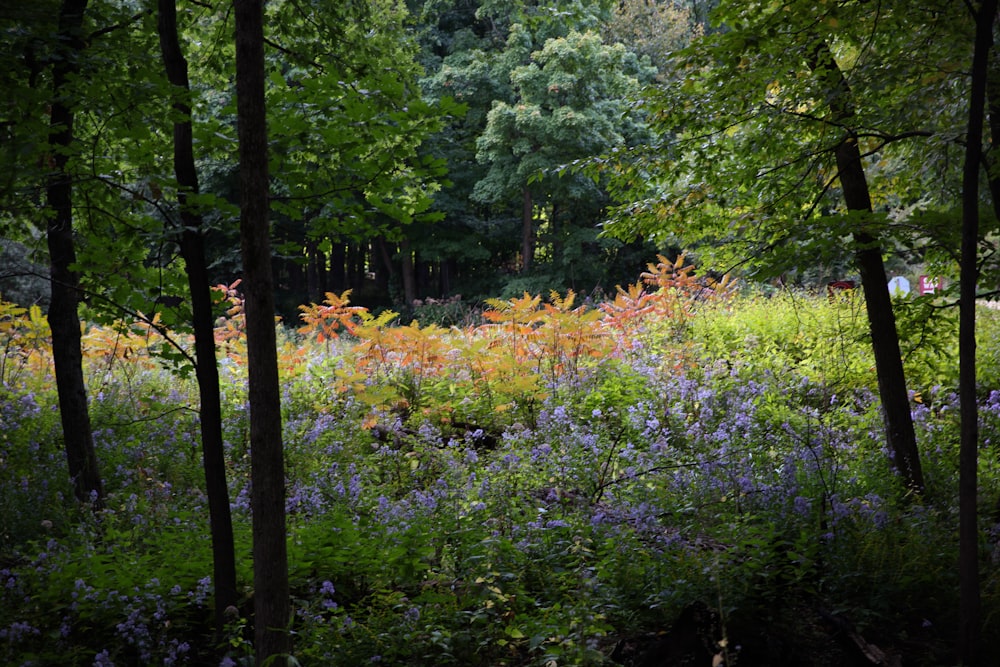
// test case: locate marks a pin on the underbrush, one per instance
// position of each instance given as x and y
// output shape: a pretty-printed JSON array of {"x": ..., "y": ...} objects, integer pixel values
[{"x": 549, "y": 487}]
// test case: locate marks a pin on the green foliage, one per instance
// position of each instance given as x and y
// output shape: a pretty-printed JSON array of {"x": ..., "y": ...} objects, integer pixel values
[
  {"x": 542, "y": 88},
  {"x": 568, "y": 102},
  {"x": 988, "y": 346},
  {"x": 653, "y": 30},
  {"x": 742, "y": 165},
  {"x": 823, "y": 340}
]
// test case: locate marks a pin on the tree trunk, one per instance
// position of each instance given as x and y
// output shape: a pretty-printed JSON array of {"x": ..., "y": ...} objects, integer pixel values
[
  {"x": 447, "y": 272},
  {"x": 527, "y": 231},
  {"x": 970, "y": 616},
  {"x": 206, "y": 369},
  {"x": 63, "y": 316},
  {"x": 900, "y": 435},
  {"x": 272, "y": 639},
  {"x": 993, "y": 106},
  {"x": 338, "y": 266},
  {"x": 315, "y": 272},
  {"x": 408, "y": 272},
  {"x": 355, "y": 266}
]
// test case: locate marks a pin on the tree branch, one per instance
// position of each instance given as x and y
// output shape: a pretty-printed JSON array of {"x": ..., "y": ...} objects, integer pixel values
[{"x": 117, "y": 26}]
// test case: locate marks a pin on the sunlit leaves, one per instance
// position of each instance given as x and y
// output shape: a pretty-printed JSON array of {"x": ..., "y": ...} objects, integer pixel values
[
  {"x": 569, "y": 102},
  {"x": 24, "y": 335},
  {"x": 347, "y": 120},
  {"x": 743, "y": 164},
  {"x": 327, "y": 319}
]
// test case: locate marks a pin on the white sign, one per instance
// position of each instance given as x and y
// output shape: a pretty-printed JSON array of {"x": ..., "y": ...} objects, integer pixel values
[{"x": 899, "y": 286}]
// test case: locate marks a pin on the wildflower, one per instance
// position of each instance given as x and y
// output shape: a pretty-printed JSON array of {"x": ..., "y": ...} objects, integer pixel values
[
  {"x": 540, "y": 453},
  {"x": 102, "y": 659},
  {"x": 354, "y": 486},
  {"x": 202, "y": 591},
  {"x": 17, "y": 631}
]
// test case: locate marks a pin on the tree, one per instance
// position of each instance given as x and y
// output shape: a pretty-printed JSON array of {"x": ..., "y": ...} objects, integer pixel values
[
  {"x": 791, "y": 138},
  {"x": 272, "y": 607},
  {"x": 652, "y": 29},
  {"x": 970, "y": 617},
  {"x": 472, "y": 51},
  {"x": 192, "y": 249},
  {"x": 868, "y": 257},
  {"x": 345, "y": 124},
  {"x": 569, "y": 103},
  {"x": 63, "y": 316}
]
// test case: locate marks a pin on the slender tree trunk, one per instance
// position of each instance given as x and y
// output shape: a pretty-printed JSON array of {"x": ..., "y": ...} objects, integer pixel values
[
  {"x": 993, "y": 106},
  {"x": 446, "y": 276},
  {"x": 206, "y": 369},
  {"x": 558, "y": 239},
  {"x": 315, "y": 271},
  {"x": 355, "y": 266},
  {"x": 900, "y": 434},
  {"x": 337, "y": 280},
  {"x": 407, "y": 271},
  {"x": 381, "y": 257},
  {"x": 63, "y": 316},
  {"x": 970, "y": 616},
  {"x": 272, "y": 609},
  {"x": 527, "y": 231}
]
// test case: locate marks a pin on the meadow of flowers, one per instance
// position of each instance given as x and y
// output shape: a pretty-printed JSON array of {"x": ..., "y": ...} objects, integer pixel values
[{"x": 553, "y": 483}]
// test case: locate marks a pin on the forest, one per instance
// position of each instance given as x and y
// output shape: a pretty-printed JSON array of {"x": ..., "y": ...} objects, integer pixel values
[{"x": 499, "y": 332}]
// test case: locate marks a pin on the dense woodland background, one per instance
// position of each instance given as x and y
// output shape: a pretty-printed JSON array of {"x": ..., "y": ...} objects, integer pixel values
[
  {"x": 421, "y": 150},
  {"x": 177, "y": 173}
]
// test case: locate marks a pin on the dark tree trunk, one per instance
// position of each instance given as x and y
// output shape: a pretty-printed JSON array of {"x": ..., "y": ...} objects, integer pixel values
[
  {"x": 527, "y": 231},
  {"x": 272, "y": 639},
  {"x": 993, "y": 105},
  {"x": 888, "y": 359},
  {"x": 558, "y": 240},
  {"x": 355, "y": 266},
  {"x": 338, "y": 266},
  {"x": 970, "y": 616},
  {"x": 900, "y": 435},
  {"x": 408, "y": 272},
  {"x": 298, "y": 285},
  {"x": 192, "y": 246},
  {"x": 315, "y": 272},
  {"x": 63, "y": 315},
  {"x": 447, "y": 273},
  {"x": 381, "y": 257}
]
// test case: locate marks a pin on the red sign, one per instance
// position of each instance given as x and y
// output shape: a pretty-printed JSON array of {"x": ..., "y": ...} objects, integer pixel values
[{"x": 930, "y": 284}]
